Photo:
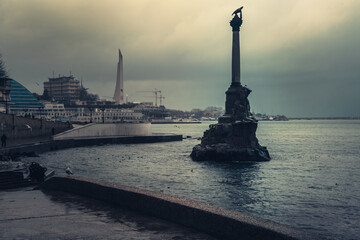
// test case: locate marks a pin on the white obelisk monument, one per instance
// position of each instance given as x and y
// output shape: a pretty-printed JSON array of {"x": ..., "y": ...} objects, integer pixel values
[{"x": 119, "y": 89}]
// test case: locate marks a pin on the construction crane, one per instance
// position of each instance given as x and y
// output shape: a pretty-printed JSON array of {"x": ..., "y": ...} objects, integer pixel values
[
  {"x": 155, "y": 92},
  {"x": 161, "y": 98}
]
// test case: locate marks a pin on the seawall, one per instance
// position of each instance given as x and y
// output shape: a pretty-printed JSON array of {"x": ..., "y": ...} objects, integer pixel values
[
  {"x": 83, "y": 142},
  {"x": 23, "y": 127},
  {"x": 216, "y": 221}
]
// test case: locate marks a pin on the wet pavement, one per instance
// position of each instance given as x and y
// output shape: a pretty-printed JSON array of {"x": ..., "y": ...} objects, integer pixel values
[{"x": 37, "y": 214}]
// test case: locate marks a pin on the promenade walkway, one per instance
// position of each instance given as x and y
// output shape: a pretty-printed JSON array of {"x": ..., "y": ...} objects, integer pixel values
[{"x": 36, "y": 214}]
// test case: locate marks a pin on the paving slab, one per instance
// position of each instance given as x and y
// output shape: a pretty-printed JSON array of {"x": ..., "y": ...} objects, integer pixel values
[{"x": 44, "y": 214}]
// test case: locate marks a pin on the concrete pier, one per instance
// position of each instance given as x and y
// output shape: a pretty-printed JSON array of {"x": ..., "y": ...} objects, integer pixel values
[{"x": 52, "y": 145}]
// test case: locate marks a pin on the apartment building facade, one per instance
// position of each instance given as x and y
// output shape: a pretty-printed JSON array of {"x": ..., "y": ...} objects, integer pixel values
[{"x": 65, "y": 89}]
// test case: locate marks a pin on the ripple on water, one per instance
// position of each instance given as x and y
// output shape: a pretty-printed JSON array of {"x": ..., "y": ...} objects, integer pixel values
[{"x": 312, "y": 181}]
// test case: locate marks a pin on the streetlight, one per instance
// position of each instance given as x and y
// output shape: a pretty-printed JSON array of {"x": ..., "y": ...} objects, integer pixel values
[
  {"x": 90, "y": 109},
  {"x": 6, "y": 93},
  {"x": 103, "y": 114}
]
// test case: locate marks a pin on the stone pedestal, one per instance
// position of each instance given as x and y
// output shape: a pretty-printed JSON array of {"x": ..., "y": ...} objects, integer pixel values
[
  {"x": 233, "y": 138},
  {"x": 237, "y": 105}
]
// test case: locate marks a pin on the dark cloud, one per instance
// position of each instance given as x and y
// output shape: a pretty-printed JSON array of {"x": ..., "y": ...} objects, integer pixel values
[
  {"x": 297, "y": 64},
  {"x": 317, "y": 77}
]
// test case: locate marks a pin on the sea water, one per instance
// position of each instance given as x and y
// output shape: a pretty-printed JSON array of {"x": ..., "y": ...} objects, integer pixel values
[{"x": 311, "y": 183}]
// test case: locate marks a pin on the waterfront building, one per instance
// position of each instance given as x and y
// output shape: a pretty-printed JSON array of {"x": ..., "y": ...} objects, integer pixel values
[
  {"x": 152, "y": 112},
  {"x": 119, "y": 88},
  {"x": 64, "y": 89},
  {"x": 57, "y": 111},
  {"x": 106, "y": 115},
  {"x": 22, "y": 101},
  {"x": 5, "y": 87}
]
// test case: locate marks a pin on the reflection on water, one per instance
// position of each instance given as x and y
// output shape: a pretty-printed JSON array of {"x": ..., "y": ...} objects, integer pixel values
[{"x": 312, "y": 181}]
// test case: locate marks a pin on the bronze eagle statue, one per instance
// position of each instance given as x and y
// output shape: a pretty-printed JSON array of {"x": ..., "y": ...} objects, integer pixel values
[{"x": 237, "y": 11}]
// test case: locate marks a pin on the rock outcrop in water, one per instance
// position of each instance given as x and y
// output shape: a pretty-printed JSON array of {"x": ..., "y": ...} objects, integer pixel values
[{"x": 233, "y": 138}]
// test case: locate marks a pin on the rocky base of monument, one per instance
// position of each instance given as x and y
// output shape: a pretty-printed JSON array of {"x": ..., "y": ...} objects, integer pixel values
[
  {"x": 230, "y": 142},
  {"x": 223, "y": 152}
]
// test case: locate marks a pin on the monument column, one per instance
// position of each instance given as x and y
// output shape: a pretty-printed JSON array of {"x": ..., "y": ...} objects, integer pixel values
[
  {"x": 236, "y": 96},
  {"x": 235, "y": 67},
  {"x": 233, "y": 138}
]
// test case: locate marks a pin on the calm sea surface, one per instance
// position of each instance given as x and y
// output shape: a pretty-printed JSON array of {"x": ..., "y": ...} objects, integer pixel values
[{"x": 311, "y": 183}]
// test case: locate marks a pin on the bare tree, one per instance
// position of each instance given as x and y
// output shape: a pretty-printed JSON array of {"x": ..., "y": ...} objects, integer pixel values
[{"x": 3, "y": 72}]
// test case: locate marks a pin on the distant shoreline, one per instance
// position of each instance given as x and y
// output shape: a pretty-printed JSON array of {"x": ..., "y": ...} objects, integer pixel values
[
  {"x": 179, "y": 122},
  {"x": 325, "y": 118}
]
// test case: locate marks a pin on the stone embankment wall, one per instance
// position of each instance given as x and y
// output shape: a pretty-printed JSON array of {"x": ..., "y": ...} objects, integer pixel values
[
  {"x": 213, "y": 220},
  {"x": 101, "y": 130},
  {"x": 53, "y": 145},
  {"x": 21, "y": 127}
]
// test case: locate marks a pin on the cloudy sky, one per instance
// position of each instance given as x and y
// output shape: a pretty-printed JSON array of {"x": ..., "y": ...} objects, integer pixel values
[{"x": 300, "y": 57}]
